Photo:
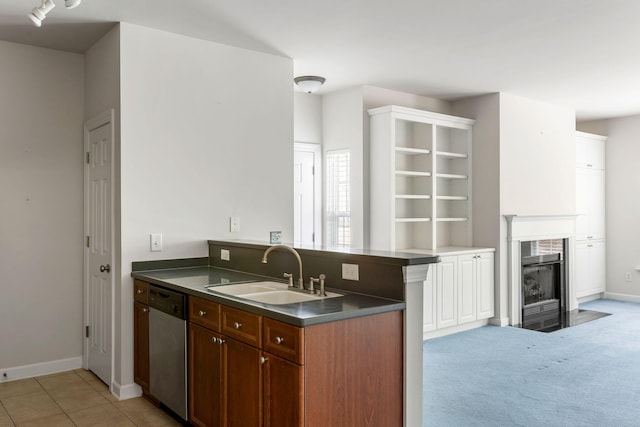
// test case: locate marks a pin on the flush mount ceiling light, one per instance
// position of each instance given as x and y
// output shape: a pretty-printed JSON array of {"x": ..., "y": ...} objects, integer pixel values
[
  {"x": 38, "y": 13},
  {"x": 309, "y": 84}
]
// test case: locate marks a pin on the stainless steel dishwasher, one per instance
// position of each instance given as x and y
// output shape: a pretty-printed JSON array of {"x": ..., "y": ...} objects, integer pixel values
[{"x": 167, "y": 349}]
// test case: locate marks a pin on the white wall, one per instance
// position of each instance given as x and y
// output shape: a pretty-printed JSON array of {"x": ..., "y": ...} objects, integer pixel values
[
  {"x": 41, "y": 154},
  {"x": 622, "y": 203},
  {"x": 342, "y": 129},
  {"x": 307, "y": 118},
  {"x": 202, "y": 139},
  {"x": 537, "y": 157}
]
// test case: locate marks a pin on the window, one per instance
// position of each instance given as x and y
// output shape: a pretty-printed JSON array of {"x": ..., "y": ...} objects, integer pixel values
[{"x": 338, "y": 215}]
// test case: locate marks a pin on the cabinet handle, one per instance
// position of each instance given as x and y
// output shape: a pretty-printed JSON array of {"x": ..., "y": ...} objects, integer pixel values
[
  {"x": 216, "y": 340},
  {"x": 237, "y": 325},
  {"x": 139, "y": 291},
  {"x": 145, "y": 310},
  {"x": 589, "y": 237},
  {"x": 589, "y": 166},
  {"x": 202, "y": 313},
  {"x": 263, "y": 360},
  {"x": 589, "y": 246},
  {"x": 279, "y": 340}
]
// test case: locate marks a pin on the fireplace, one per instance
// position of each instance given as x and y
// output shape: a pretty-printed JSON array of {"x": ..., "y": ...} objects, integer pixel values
[
  {"x": 543, "y": 282},
  {"x": 547, "y": 265}
]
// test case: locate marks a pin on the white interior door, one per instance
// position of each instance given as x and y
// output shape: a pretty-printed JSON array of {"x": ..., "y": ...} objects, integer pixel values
[
  {"x": 306, "y": 197},
  {"x": 99, "y": 254}
]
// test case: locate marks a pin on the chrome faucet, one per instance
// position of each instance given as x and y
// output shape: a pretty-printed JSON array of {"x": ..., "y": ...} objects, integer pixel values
[{"x": 295, "y": 253}]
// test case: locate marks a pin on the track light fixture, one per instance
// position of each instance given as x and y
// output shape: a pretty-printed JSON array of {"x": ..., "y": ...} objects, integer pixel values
[
  {"x": 70, "y": 4},
  {"x": 38, "y": 13},
  {"x": 309, "y": 84}
]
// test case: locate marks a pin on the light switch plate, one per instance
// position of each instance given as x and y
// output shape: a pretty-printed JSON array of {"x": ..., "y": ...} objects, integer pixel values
[
  {"x": 225, "y": 255},
  {"x": 234, "y": 224},
  {"x": 155, "y": 242}
]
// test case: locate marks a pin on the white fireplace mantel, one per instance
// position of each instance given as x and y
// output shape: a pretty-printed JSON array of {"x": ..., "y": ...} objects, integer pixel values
[{"x": 522, "y": 228}]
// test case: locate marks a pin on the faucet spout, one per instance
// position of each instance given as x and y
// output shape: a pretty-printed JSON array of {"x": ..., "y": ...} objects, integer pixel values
[{"x": 295, "y": 254}]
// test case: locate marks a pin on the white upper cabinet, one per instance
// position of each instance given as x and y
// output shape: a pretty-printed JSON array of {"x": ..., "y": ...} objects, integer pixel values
[
  {"x": 420, "y": 179},
  {"x": 590, "y": 150},
  {"x": 590, "y": 186}
]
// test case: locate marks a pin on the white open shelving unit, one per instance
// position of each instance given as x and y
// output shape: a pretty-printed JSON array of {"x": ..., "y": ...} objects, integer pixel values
[{"x": 420, "y": 180}]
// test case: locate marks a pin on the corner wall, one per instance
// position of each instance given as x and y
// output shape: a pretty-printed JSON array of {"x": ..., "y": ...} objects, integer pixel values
[
  {"x": 41, "y": 164},
  {"x": 622, "y": 204},
  {"x": 202, "y": 139}
]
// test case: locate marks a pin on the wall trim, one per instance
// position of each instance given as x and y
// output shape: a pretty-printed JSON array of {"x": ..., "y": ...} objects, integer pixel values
[
  {"x": 622, "y": 297},
  {"x": 127, "y": 391},
  {"x": 38, "y": 369}
]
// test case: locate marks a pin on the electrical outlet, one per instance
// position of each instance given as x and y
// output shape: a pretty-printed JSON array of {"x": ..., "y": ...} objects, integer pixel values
[
  {"x": 234, "y": 224},
  {"x": 627, "y": 276},
  {"x": 225, "y": 255},
  {"x": 156, "y": 242},
  {"x": 350, "y": 272}
]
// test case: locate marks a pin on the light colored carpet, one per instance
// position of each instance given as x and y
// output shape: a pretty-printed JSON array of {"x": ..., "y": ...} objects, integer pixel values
[{"x": 586, "y": 375}]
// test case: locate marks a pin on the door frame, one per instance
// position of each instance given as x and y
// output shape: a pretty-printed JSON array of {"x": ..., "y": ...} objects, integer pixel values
[
  {"x": 102, "y": 119},
  {"x": 316, "y": 149}
]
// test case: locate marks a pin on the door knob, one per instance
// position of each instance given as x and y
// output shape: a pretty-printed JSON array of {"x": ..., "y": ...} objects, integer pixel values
[{"x": 104, "y": 268}]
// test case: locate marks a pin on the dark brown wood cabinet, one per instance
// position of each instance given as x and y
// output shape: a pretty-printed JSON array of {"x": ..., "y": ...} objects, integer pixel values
[
  {"x": 205, "y": 377},
  {"x": 248, "y": 370},
  {"x": 283, "y": 392},
  {"x": 141, "y": 335},
  {"x": 243, "y": 384}
]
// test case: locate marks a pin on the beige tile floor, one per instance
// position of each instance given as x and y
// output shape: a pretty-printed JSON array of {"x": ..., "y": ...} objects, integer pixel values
[{"x": 73, "y": 398}]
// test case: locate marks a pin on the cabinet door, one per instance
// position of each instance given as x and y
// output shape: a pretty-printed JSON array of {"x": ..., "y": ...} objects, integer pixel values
[
  {"x": 590, "y": 153},
  {"x": 466, "y": 288},
  {"x": 141, "y": 345},
  {"x": 242, "y": 384},
  {"x": 590, "y": 204},
  {"x": 446, "y": 283},
  {"x": 485, "y": 285},
  {"x": 205, "y": 377},
  {"x": 590, "y": 274},
  {"x": 429, "y": 302},
  {"x": 283, "y": 392}
]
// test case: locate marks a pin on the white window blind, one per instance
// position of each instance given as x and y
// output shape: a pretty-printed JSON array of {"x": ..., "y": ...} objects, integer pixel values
[{"x": 338, "y": 213}]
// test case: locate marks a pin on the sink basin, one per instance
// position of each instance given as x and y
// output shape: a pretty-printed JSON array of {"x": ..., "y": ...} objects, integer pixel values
[
  {"x": 269, "y": 293},
  {"x": 248, "y": 288}
]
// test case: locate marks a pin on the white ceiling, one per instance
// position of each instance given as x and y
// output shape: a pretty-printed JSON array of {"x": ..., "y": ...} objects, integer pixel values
[{"x": 583, "y": 54}]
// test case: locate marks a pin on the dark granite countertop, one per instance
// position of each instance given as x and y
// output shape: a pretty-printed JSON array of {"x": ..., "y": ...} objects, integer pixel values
[{"x": 192, "y": 281}]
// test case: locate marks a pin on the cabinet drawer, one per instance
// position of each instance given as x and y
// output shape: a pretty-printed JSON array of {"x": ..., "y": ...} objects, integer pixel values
[
  {"x": 241, "y": 325},
  {"x": 141, "y": 291},
  {"x": 204, "y": 313},
  {"x": 286, "y": 341}
]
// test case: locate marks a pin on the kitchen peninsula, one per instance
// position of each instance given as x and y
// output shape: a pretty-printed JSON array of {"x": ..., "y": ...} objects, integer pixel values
[{"x": 352, "y": 359}]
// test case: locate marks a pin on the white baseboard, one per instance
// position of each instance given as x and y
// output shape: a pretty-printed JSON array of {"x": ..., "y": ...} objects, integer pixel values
[
  {"x": 499, "y": 321},
  {"x": 38, "y": 369},
  {"x": 127, "y": 391},
  {"x": 454, "y": 329},
  {"x": 622, "y": 297},
  {"x": 590, "y": 298}
]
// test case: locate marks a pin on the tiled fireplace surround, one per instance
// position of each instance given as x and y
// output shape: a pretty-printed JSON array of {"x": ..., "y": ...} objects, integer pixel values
[{"x": 522, "y": 228}]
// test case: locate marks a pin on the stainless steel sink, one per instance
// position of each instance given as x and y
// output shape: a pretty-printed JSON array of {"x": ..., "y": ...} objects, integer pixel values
[{"x": 269, "y": 293}]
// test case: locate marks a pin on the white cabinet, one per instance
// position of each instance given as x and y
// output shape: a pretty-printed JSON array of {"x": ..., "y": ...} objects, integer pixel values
[
  {"x": 447, "y": 292},
  {"x": 590, "y": 268},
  {"x": 463, "y": 291},
  {"x": 590, "y": 150},
  {"x": 420, "y": 179},
  {"x": 590, "y": 209}
]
